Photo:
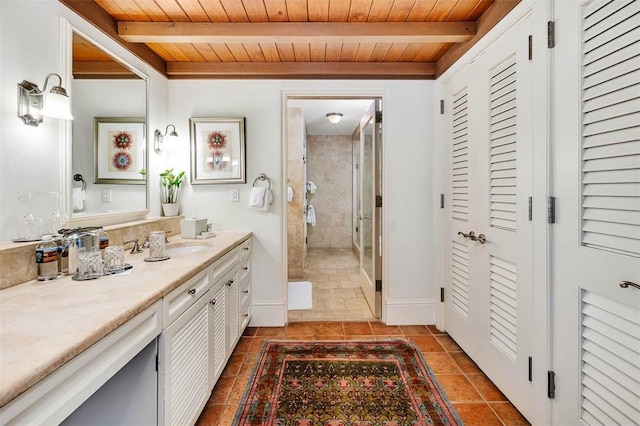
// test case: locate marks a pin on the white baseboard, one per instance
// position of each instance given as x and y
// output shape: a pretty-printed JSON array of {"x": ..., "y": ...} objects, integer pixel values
[
  {"x": 269, "y": 314},
  {"x": 413, "y": 312}
]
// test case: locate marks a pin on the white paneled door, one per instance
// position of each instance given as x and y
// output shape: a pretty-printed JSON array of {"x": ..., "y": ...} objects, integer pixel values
[
  {"x": 596, "y": 238},
  {"x": 488, "y": 308}
]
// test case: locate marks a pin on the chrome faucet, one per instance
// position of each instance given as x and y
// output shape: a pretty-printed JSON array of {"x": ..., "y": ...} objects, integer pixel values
[{"x": 136, "y": 248}]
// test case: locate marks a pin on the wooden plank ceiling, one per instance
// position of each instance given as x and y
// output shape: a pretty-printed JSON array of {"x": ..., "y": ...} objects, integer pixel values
[{"x": 416, "y": 39}]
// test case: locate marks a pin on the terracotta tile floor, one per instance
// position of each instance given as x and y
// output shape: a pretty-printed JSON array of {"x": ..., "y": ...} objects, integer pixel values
[
  {"x": 336, "y": 293},
  {"x": 476, "y": 399}
]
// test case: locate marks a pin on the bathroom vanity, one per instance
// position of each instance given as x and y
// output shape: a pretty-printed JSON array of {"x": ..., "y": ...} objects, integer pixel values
[{"x": 64, "y": 342}]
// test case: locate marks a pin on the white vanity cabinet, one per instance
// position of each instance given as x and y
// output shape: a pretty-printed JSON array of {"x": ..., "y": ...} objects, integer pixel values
[{"x": 203, "y": 325}]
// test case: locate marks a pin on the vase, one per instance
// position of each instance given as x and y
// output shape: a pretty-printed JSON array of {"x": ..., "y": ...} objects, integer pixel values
[{"x": 170, "y": 209}]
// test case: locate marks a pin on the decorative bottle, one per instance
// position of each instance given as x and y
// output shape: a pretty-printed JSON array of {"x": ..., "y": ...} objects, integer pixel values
[{"x": 47, "y": 259}]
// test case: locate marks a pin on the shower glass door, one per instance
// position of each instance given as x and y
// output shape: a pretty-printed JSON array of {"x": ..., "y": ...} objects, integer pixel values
[{"x": 368, "y": 196}]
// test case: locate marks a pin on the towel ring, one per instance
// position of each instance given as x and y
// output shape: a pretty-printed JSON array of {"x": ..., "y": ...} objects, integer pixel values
[
  {"x": 262, "y": 177},
  {"x": 78, "y": 178}
]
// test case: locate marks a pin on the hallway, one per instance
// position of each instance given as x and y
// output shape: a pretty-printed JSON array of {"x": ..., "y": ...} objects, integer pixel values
[{"x": 335, "y": 275}]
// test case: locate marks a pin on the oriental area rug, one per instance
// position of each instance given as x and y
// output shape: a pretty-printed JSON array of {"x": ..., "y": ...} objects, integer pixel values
[{"x": 343, "y": 383}]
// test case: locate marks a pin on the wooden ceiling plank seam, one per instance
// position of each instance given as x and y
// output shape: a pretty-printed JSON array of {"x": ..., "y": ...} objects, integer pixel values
[
  {"x": 379, "y": 52},
  {"x": 379, "y": 11},
  {"x": 334, "y": 52},
  {"x": 400, "y": 10},
  {"x": 441, "y": 10},
  {"x": 162, "y": 52},
  {"x": 235, "y": 10},
  {"x": 348, "y": 53},
  {"x": 339, "y": 10},
  {"x": 480, "y": 7},
  {"x": 441, "y": 51},
  {"x": 255, "y": 10},
  {"x": 317, "y": 52},
  {"x": 318, "y": 11},
  {"x": 173, "y": 10},
  {"x": 301, "y": 51},
  {"x": 364, "y": 52},
  {"x": 207, "y": 52},
  {"x": 223, "y": 52},
  {"x": 254, "y": 51},
  {"x": 270, "y": 52},
  {"x": 298, "y": 10},
  {"x": 410, "y": 53},
  {"x": 152, "y": 10},
  {"x": 498, "y": 10},
  {"x": 359, "y": 10},
  {"x": 238, "y": 51},
  {"x": 276, "y": 10},
  {"x": 194, "y": 11},
  {"x": 427, "y": 52},
  {"x": 113, "y": 8},
  {"x": 301, "y": 70},
  {"x": 421, "y": 10},
  {"x": 192, "y": 52},
  {"x": 277, "y": 32},
  {"x": 285, "y": 52},
  {"x": 133, "y": 11},
  {"x": 177, "y": 52},
  {"x": 461, "y": 10},
  {"x": 395, "y": 52},
  {"x": 214, "y": 10}
]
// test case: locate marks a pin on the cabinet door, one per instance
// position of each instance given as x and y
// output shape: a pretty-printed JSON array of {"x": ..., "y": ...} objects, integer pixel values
[
  {"x": 184, "y": 365},
  {"x": 217, "y": 342},
  {"x": 233, "y": 311}
]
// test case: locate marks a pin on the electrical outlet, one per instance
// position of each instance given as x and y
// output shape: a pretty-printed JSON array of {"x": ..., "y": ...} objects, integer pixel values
[
  {"x": 233, "y": 194},
  {"x": 106, "y": 195}
]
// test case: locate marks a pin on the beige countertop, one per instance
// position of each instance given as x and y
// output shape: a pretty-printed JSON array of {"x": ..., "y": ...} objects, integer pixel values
[{"x": 44, "y": 324}]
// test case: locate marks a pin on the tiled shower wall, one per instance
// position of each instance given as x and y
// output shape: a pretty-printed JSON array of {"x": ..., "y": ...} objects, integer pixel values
[
  {"x": 329, "y": 166},
  {"x": 295, "y": 224}
]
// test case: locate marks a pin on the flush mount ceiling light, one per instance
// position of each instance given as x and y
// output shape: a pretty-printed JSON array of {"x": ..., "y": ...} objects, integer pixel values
[
  {"x": 34, "y": 103},
  {"x": 158, "y": 138},
  {"x": 334, "y": 117}
]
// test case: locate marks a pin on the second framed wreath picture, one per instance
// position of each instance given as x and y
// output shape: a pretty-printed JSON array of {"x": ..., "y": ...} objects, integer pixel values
[{"x": 217, "y": 150}]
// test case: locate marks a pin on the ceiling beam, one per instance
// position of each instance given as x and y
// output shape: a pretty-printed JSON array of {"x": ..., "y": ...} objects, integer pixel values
[
  {"x": 298, "y": 70},
  {"x": 296, "y": 32}
]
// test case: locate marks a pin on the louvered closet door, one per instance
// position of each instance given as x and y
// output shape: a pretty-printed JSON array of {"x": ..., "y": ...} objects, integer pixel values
[
  {"x": 489, "y": 310},
  {"x": 596, "y": 243}
]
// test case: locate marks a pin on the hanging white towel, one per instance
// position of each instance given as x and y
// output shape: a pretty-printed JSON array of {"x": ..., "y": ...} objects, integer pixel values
[
  {"x": 311, "y": 187},
  {"x": 289, "y": 194},
  {"x": 311, "y": 215},
  {"x": 257, "y": 197},
  {"x": 268, "y": 199},
  {"x": 78, "y": 196}
]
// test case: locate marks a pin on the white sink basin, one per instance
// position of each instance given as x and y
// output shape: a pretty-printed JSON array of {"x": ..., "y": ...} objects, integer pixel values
[{"x": 177, "y": 249}]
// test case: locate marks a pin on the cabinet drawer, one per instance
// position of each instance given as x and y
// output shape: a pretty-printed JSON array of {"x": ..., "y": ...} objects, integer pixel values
[
  {"x": 245, "y": 269},
  {"x": 179, "y": 300},
  {"x": 245, "y": 249},
  {"x": 245, "y": 317},
  {"x": 245, "y": 291},
  {"x": 224, "y": 265}
]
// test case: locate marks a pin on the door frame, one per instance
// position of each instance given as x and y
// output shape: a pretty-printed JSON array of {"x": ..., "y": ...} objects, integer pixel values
[
  {"x": 541, "y": 13},
  {"x": 337, "y": 95}
]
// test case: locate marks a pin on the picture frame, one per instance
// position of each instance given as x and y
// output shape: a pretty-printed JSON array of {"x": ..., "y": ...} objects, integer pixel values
[
  {"x": 218, "y": 150},
  {"x": 119, "y": 150}
]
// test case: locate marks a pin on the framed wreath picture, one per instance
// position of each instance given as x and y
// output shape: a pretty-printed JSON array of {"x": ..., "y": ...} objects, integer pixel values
[
  {"x": 217, "y": 150},
  {"x": 119, "y": 150}
]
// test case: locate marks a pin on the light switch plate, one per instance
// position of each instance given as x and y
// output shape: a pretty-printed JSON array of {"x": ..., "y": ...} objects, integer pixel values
[
  {"x": 106, "y": 195},
  {"x": 233, "y": 194}
]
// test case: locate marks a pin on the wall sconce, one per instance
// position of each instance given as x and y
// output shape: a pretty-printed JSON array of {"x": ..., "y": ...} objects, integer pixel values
[
  {"x": 334, "y": 117},
  {"x": 158, "y": 138},
  {"x": 34, "y": 103}
]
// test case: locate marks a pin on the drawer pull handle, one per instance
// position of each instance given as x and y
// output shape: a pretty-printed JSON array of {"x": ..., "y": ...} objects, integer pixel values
[
  {"x": 245, "y": 315},
  {"x": 213, "y": 302},
  {"x": 192, "y": 291},
  {"x": 229, "y": 282},
  {"x": 245, "y": 248},
  {"x": 245, "y": 291},
  {"x": 245, "y": 268}
]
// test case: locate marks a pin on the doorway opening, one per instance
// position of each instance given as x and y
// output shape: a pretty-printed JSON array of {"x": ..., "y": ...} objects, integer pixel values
[{"x": 334, "y": 209}]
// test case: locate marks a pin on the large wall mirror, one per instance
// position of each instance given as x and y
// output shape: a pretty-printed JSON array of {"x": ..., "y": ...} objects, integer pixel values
[{"x": 106, "y": 175}]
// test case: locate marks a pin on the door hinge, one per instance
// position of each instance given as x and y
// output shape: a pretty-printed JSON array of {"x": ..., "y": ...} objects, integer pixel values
[
  {"x": 551, "y": 34},
  {"x": 530, "y": 369},
  {"x": 441, "y": 106},
  {"x": 378, "y": 285},
  {"x": 530, "y": 208},
  {"x": 551, "y": 210},
  {"x": 156, "y": 362},
  {"x": 442, "y": 294},
  {"x": 442, "y": 201},
  {"x": 530, "y": 46},
  {"x": 378, "y": 200},
  {"x": 378, "y": 117},
  {"x": 306, "y": 240},
  {"x": 551, "y": 384}
]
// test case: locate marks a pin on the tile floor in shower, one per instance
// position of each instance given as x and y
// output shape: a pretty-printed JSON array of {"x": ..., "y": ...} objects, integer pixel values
[{"x": 336, "y": 293}]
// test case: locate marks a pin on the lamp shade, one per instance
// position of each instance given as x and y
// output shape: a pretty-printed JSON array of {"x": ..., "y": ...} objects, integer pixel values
[
  {"x": 334, "y": 117},
  {"x": 57, "y": 104}
]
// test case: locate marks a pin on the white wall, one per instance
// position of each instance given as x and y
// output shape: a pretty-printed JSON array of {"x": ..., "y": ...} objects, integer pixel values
[
  {"x": 30, "y": 48},
  {"x": 410, "y": 198}
]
